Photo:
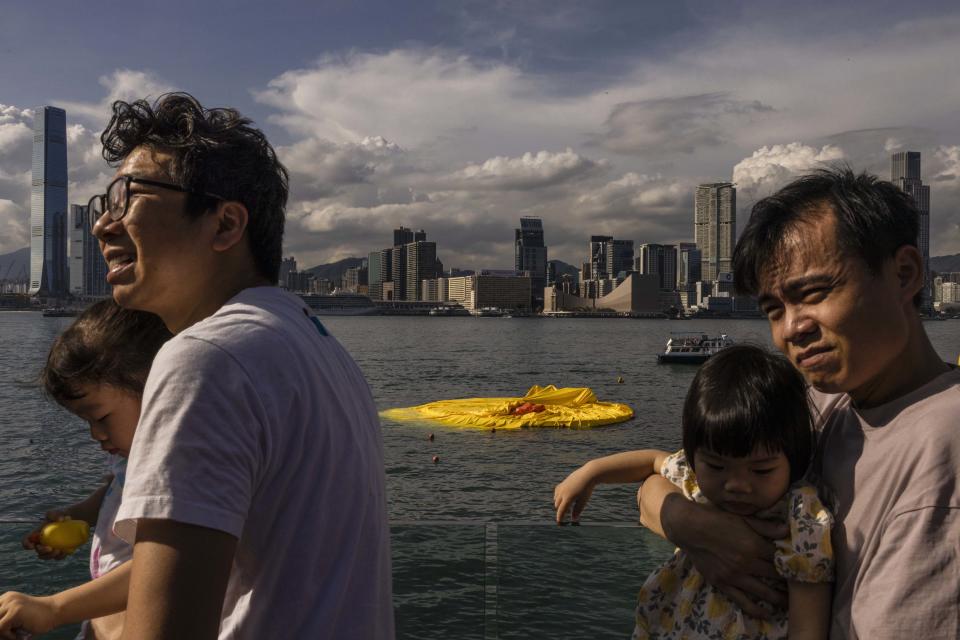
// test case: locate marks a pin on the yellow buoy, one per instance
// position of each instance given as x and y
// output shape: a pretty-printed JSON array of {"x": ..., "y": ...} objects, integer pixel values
[{"x": 65, "y": 535}]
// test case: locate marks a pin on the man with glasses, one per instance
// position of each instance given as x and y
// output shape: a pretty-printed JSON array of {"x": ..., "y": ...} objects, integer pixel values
[{"x": 255, "y": 490}]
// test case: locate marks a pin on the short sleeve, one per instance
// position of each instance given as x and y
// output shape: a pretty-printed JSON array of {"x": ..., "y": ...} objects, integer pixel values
[
  {"x": 198, "y": 448},
  {"x": 677, "y": 470},
  {"x": 807, "y": 554}
]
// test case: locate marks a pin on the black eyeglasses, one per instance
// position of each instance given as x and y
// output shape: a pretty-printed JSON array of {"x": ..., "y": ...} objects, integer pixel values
[{"x": 116, "y": 200}]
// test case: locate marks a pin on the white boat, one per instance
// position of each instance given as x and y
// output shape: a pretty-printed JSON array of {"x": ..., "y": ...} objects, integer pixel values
[
  {"x": 449, "y": 310},
  {"x": 692, "y": 347}
]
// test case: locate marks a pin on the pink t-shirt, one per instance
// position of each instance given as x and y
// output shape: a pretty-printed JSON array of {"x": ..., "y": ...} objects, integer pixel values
[
  {"x": 891, "y": 476},
  {"x": 258, "y": 423}
]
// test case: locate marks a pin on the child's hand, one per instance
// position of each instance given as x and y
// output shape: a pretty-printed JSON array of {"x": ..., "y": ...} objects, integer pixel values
[
  {"x": 575, "y": 492},
  {"x": 32, "y": 540},
  {"x": 20, "y": 613}
]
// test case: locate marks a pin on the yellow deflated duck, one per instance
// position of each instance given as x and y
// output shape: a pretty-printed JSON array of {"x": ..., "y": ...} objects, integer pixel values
[{"x": 548, "y": 407}]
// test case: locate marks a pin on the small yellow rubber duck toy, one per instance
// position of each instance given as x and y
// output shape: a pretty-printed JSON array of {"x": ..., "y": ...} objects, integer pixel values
[{"x": 65, "y": 535}]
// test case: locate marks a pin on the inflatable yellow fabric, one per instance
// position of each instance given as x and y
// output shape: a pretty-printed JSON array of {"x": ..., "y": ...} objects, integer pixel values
[{"x": 570, "y": 407}]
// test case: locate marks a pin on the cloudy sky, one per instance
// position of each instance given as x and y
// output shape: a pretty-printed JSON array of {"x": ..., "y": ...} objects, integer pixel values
[{"x": 459, "y": 117}]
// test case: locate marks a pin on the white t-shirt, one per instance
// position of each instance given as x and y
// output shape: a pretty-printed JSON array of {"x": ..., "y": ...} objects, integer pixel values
[
  {"x": 108, "y": 550},
  {"x": 257, "y": 423}
]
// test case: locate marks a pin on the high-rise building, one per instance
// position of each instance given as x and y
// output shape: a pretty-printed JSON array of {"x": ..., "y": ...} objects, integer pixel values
[
  {"x": 398, "y": 271},
  {"x": 402, "y": 236},
  {"x": 88, "y": 269},
  {"x": 421, "y": 265},
  {"x": 598, "y": 257},
  {"x": 659, "y": 260},
  {"x": 715, "y": 227},
  {"x": 76, "y": 249},
  {"x": 286, "y": 266},
  {"x": 48, "y": 205},
  {"x": 619, "y": 257},
  {"x": 530, "y": 255},
  {"x": 905, "y": 173},
  {"x": 374, "y": 275},
  {"x": 688, "y": 265}
]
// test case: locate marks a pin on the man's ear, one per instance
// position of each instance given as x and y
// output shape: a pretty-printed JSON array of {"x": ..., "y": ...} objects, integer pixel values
[
  {"x": 908, "y": 263},
  {"x": 232, "y": 220}
]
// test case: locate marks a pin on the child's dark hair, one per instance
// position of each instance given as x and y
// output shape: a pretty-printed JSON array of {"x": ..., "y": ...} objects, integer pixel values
[
  {"x": 746, "y": 398},
  {"x": 106, "y": 344}
]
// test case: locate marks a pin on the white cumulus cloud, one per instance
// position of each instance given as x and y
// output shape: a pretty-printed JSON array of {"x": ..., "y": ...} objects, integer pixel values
[{"x": 770, "y": 167}]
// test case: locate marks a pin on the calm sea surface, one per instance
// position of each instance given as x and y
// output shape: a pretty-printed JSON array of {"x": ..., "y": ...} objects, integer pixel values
[{"x": 49, "y": 461}]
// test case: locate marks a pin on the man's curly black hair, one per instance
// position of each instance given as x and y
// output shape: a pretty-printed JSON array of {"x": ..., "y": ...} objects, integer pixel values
[{"x": 215, "y": 151}]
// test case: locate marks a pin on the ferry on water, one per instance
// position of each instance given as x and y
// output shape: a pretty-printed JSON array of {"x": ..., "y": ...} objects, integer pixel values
[{"x": 692, "y": 347}]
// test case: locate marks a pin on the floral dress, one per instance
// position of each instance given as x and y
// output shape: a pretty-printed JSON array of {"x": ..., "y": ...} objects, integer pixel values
[{"x": 676, "y": 602}]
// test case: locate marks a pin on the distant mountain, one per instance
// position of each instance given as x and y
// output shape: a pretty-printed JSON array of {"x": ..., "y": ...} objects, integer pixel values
[
  {"x": 942, "y": 264},
  {"x": 564, "y": 268},
  {"x": 15, "y": 265},
  {"x": 334, "y": 270}
]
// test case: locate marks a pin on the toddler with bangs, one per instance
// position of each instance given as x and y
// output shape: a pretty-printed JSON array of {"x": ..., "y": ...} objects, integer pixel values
[
  {"x": 748, "y": 440},
  {"x": 96, "y": 370}
]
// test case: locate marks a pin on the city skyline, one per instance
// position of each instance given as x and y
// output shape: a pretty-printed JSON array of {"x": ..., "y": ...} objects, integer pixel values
[{"x": 463, "y": 118}]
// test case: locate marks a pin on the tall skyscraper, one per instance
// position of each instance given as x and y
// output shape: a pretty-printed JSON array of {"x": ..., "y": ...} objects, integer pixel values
[
  {"x": 530, "y": 254},
  {"x": 421, "y": 265},
  {"x": 374, "y": 275},
  {"x": 715, "y": 227},
  {"x": 619, "y": 257},
  {"x": 659, "y": 260},
  {"x": 76, "y": 249},
  {"x": 48, "y": 205},
  {"x": 905, "y": 173},
  {"x": 402, "y": 236},
  {"x": 598, "y": 257},
  {"x": 88, "y": 269},
  {"x": 688, "y": 265}
]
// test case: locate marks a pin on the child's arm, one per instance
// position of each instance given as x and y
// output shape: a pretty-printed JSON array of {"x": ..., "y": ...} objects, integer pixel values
[
  {"x": 629, "y": 466},
  {"x": 809, "y": 617},
  {"x": 87, "y": 509},
  {"x": 39, "y": 614}
]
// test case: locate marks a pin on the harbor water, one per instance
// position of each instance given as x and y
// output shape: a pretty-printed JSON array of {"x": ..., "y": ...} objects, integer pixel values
[{"x": 484, "y": 509}]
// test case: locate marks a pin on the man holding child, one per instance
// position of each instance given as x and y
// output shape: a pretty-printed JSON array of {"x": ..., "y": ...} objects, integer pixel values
[{"x": 833, "y": 260}]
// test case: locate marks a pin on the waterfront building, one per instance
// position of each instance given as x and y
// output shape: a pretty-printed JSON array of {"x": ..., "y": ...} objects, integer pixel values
[
  {"x": 300, "y": 281},
  {"x": 530, "y": 255},
  {"x": 421, "y": 264},
  {"x": 499, "y": 289},
  {"x": 637, "y": 294},
  {"x": 76, "y": 248},
  {"x": 619, "y": 257},
  {"x": 430, "y": 290},
  {"x": 88, "y": 269},
  {"x": 374, "y": 275},
  {"x": 659, "y": 260},
  {"x": 905, "y": 173},
  {"x": 386, "y": 291},
  {"x": 48, "y": 205},
  {"x": 715, "y": 227},
  {"x": 354, "y": 278},
  {"x": 398, "y": 271},
  {"x": 688, "y": 265},
  {"x": 598, "y": 257}
]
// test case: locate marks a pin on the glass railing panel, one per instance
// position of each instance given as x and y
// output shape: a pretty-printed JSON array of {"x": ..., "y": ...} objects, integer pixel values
[
  {"x": 572, "y": 582},
  {"x": 23, "y": 571},
  {"x": 464, "y": 580},
  {"x": 438, "y": 580}
]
